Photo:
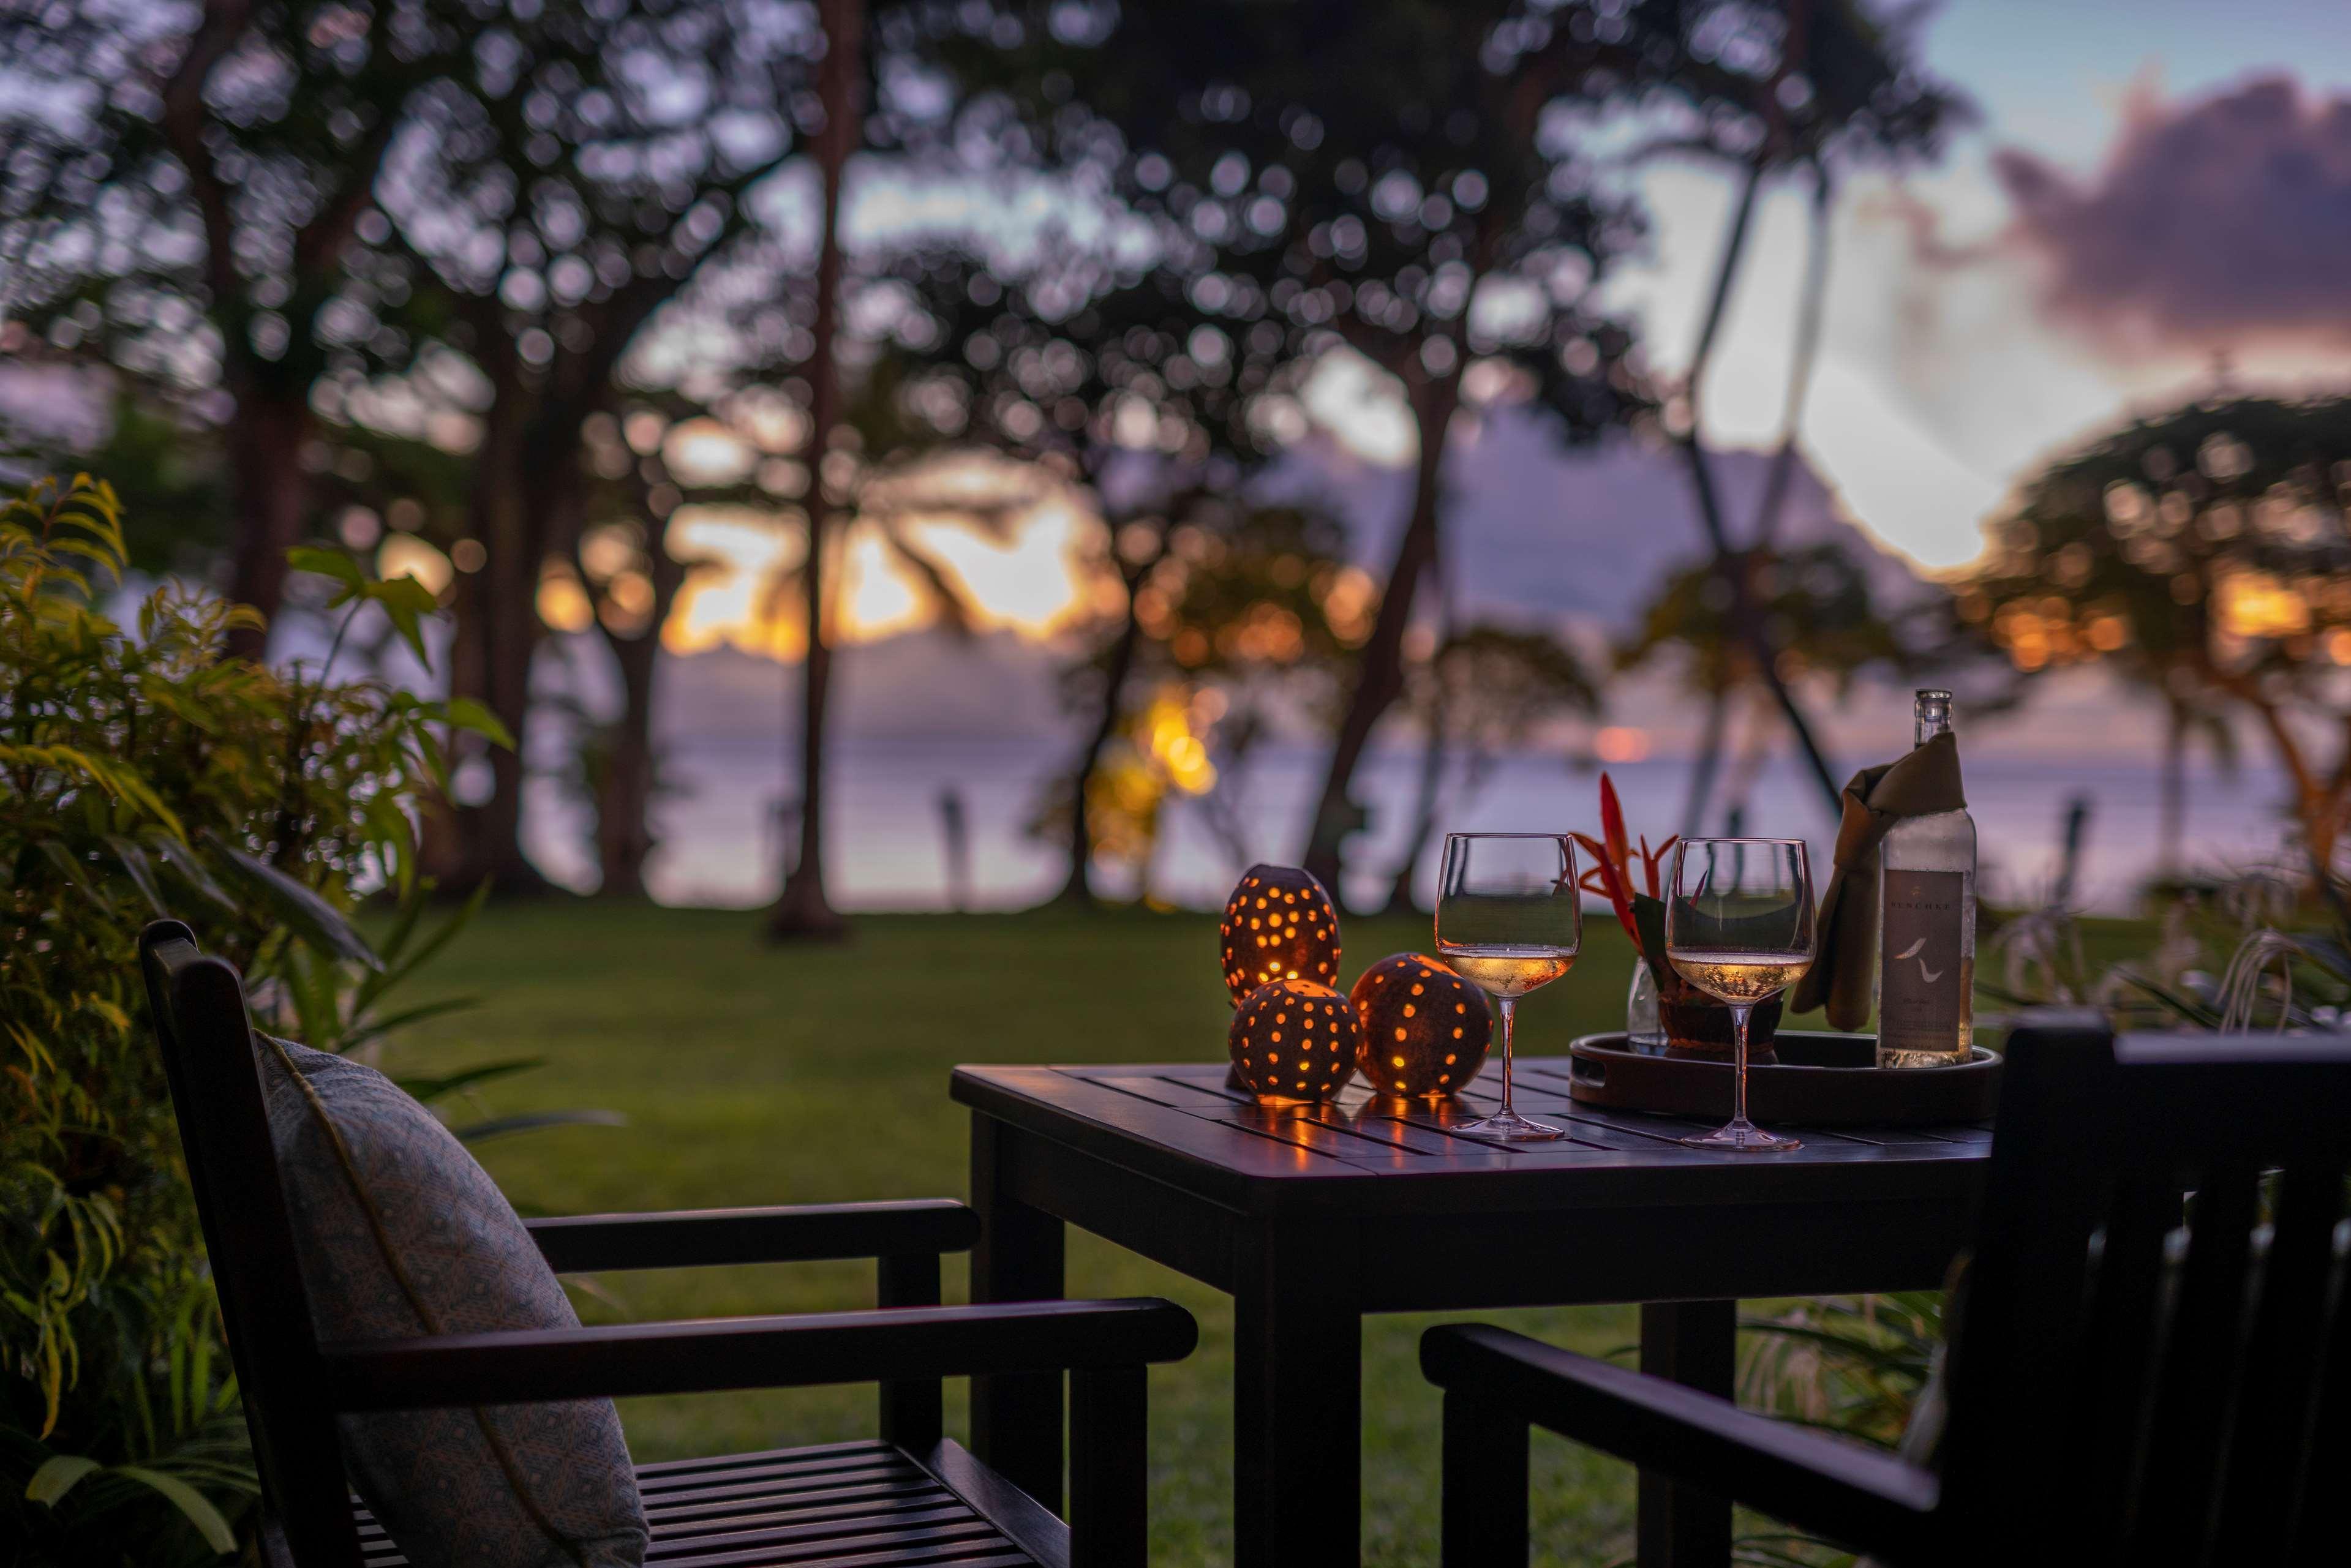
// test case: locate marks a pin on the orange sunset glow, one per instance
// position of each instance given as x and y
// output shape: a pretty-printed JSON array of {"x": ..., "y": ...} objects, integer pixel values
[{"x": 1035, "y": 581}]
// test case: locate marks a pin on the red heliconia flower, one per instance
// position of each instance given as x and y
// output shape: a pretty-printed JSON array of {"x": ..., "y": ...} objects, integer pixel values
[
  {"x": 1612, "y": 827},
  {"x": 1612, "y": 860}
]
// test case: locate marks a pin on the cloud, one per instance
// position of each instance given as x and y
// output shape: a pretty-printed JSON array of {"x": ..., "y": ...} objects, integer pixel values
[{"x": 2219, "y": 224}]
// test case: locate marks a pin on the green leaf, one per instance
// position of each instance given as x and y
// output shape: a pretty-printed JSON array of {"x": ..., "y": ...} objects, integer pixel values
[
  {"x": 68, "y": 864},
  {"x": 2179, "y": 1002},
  {"x": 141, "y": 872},
  {"x": 198, "y": 1508},
  {"x": 506, "y": 1126},
  {"x": 428, "y": 1090},
  {"x": 182, "y": 860},
  {"x": 395, "y": 839},
  {"x": 410, "y": 910},
  {"x": 1649, "y": 915},
  {"x": 109, "y": 558},
  {"x": 309, "y": 983},
  {"x": 465, "y": 713},
  {"x": 57, "y": 1476},
  {"x": 375, "y": 985},
  {"x": 331, "y": 563},
  {"x": 366, "y": 1029},
  {"x": 319, "y": 925},
  {"x": 406, "y": 601}
]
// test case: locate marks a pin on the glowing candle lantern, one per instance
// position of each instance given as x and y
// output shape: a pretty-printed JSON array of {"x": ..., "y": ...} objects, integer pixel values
[
  {"x": 1279, "y": 925},
  {"x": 1424, "y": 1029},
  {"x": 1293, "y": 1039}
]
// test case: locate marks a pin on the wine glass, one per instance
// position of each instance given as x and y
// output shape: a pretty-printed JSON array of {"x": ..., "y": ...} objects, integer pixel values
[
  {"x": 1509, "y": 919},
  {"x": 1738, "y": 927}
]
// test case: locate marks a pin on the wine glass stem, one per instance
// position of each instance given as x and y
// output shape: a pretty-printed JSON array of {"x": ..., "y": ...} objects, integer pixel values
[
  {"x": 1510, "y": 1006},
  {"x": 1739, "y": 1061}
]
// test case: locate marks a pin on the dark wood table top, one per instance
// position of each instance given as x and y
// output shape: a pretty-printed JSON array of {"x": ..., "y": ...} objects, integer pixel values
[{"x": 1363, "y": 1154}]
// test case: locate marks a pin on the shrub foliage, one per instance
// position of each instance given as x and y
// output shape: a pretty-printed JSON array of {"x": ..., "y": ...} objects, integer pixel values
[{"x": 142, "y": 773}]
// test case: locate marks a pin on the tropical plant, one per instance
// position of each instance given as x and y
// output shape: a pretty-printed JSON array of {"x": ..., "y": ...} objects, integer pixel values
[
  {"x": 1856, "y": 1365},
  {"x": 1638, "y": 906},
  {"x": 2244, "y": 956},
  {"x": 141, "y": 773},
  {"x": 1853, "y": 1364}
]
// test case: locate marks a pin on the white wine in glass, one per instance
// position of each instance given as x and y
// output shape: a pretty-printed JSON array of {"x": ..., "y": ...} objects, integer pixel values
[
  {"x": 1739, "y": 927},
  {"x": 1502, "y": 971},
  {"x": 1734, "y": 977},
  {"x": 1509, "y": 920}
]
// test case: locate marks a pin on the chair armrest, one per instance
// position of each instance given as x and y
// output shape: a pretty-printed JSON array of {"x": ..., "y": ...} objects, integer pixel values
[
  {"x": 709, "y": 1355},
  {"x": 592, "y": 1243},
  {"x": 1857, "y": 1495}
]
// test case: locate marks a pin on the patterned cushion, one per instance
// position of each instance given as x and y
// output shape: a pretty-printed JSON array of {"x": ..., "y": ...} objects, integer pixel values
[{"x": 403, "y": 1234}]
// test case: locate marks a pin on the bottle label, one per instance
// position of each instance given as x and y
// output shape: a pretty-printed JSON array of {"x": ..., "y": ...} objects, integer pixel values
[{"x": 1922, "y": 982}]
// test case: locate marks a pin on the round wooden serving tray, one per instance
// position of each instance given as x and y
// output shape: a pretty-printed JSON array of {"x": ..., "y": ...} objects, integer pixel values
[{"x": 1820, "y": 1081}]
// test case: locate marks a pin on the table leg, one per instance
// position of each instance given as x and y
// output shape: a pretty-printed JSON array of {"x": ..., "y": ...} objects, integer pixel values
[
  {"x": 1298, "y": 1384},
  {"x": 1695, "y": 1343},
  {"x": 1016, "y": 1422}
]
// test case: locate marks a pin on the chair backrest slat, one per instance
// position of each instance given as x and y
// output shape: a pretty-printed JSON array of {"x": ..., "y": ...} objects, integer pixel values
[
  {"x": 2154, "y": 1349},
  {"x": 2203, "y": 1353},
  {"x": 2271, "y": 1429},
  {"x": 2021, "y": 1333},
  {"x": 2124, "y": 1325},
  {"x": 198, "y": 1006},
  {"x": 2315, "y": 1533}
]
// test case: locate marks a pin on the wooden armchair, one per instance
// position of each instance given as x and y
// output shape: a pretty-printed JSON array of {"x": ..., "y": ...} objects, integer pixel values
[
  {"x": 2133, "y": 1378},
  {"x": 913, "y": 1497}
]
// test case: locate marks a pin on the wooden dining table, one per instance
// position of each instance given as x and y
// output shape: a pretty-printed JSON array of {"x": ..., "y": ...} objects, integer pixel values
[{"x": 1311, "y": 1215}]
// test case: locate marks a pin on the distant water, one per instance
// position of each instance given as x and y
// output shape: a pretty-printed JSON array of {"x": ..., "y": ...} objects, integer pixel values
[{"x": 888, "y": 848}]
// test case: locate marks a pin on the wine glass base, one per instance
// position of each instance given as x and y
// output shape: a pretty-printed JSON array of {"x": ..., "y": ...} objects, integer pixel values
[
  {"x": 1510, "y": 1124},
  {"x": 1740, "y": 1137}
]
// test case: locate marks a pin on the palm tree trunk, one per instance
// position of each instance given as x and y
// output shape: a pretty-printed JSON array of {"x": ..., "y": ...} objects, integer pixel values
[
  {"x": 1812, "y": 315},
  {"x": 2171, "y": 830},
  {"x": 1748, "y": 758},
  {"x": 1379, "y": 667},
  {"x": 1745, "y": 618},
  {"x": 803, "y": 910},
  {"x": 1708, "y": 763}
]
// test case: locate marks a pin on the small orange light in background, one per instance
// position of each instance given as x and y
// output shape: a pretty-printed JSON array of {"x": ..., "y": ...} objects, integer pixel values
[
  {"x": 406, "y": 555},
  {"x": 1622, "y": 743},
  {"x": 563, "y": 604}
]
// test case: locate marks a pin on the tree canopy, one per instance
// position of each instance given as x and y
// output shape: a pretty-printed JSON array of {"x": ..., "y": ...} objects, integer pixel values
[{"x": 2203, "y": 554}]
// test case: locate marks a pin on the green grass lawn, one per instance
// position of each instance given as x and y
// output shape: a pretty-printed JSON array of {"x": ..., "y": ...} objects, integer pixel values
[{"x": 756, "y": 1075}]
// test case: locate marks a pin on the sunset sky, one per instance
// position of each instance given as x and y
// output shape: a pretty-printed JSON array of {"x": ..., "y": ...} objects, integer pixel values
[
  {"x": 2148, "y": 187},
  {"x": 2147, "y": 183}
]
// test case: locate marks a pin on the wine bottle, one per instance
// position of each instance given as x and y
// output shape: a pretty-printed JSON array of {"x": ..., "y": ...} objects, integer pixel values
[{"x": 1927, "y": 927}]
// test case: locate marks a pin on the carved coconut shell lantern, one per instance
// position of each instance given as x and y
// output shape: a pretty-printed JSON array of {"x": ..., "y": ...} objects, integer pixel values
[
  {"x": 1293, "y": 1039},
  {"x": 1424, "y": 1029},
  {"x": 1279, "y": 925}
]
